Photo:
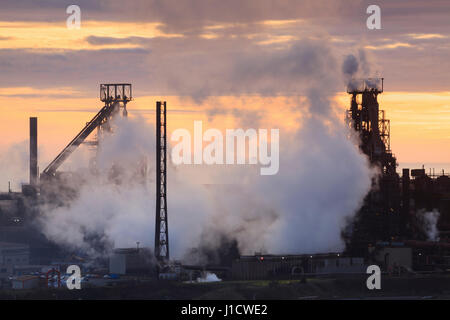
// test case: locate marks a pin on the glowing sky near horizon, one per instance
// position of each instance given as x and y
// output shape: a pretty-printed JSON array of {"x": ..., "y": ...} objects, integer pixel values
[{"x": 49, "y": 71}]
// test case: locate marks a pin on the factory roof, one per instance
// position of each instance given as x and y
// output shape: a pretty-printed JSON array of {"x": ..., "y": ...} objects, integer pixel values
[
  {"x": 293, "y": 256},
  {"x": 126, "y": 250}
]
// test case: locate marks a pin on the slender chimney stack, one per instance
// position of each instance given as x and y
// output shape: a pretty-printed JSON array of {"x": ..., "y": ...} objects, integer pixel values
[
  {"x": 33, "y": 152},
  {"x": 406, "y": 198}
]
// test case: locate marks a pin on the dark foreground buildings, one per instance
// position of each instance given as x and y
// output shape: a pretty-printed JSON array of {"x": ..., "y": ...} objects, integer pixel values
[{"x": 399, "y": 210}]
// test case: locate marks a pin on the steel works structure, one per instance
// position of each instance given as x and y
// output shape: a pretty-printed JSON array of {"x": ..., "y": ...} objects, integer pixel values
[
  {"x": 115, "y": 96},
  {"x": 380, "y": 216},
  {"x": 161, "y": 223},
  {"x": 394, "y": 216}
]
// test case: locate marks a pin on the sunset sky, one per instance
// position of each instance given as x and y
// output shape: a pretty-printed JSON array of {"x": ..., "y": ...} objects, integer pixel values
[{"x": 194, "y": 54}]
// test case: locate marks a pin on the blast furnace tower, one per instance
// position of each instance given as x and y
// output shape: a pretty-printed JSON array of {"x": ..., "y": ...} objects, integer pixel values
[{"x": 380, "y": 217}]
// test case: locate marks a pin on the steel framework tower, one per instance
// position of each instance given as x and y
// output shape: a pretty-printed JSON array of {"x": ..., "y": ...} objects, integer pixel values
[
  {"x": 115, "y": 96},
  {"x": 379, "y": 219},
  {"x": 161, "y": 224},
  {"x": 369, "y": 121}
]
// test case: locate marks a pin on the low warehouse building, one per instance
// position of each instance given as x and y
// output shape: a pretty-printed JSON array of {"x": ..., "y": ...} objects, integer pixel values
[
  {"x": 260, "y": 267},
  {"x": 130, "y": 261}
]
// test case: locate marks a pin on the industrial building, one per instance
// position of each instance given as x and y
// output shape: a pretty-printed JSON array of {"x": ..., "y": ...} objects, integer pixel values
[
  {"x": 260, "y": 267},
  {"x": 391, "y": 212},
  {"x": 11, "y": 255},
  {"x": 131, "y": 261},
  {"x": 388, "y": 229}
]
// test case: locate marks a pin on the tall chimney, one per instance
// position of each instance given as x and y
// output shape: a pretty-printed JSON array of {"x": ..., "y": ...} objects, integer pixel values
[
  {"x": 406, "y": 198},
  {"x": 33, "y": 152}
]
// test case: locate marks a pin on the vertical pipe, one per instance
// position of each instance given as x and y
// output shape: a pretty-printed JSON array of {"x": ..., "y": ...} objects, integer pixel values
[
  {"x": 33, "y": 152},
  {"x": 406, "y": 195}
]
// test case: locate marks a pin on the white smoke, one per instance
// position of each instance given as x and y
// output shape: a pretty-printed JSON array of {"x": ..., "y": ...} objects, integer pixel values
[
  {"x": 209, "y": 277},
  {"x": 430, "y": 224},
  {"x": 359, "y": 72},
  {"x": 302, "y": 209},
  {"x": 113, "y": 205},
  {"x": 321, "y": 183},
  {"x": 116, "y": 205},
  {"x": 14, "y": 166}
]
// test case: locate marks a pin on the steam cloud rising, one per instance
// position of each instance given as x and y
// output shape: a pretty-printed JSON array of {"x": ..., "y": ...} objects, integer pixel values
[
  {"x": 322, "y": 181},
  {"x": 430, "y": 222},
  {"x": 14, "y": 166}
]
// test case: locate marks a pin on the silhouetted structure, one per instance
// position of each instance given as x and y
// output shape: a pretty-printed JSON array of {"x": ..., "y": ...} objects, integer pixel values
[
  {"x": 33, "y": 152},
  {"x": 395, "y": 211},
  {"x": 114, "y": 96},
  {"x": 380, "y": 216},
  {"x": 161, "y": 223}
]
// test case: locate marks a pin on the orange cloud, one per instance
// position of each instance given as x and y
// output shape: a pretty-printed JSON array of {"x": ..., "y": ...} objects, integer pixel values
[{"x": 40, "y": 35}]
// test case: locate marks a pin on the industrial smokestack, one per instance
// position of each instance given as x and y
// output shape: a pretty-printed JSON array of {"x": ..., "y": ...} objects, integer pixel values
[
  {"x": 33, "y": 152},
  {"x": 406, "y": 198}
]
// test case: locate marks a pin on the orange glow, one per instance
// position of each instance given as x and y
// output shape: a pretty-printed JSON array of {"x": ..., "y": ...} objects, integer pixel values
[
  {"x": 40, "y": 35},
  {"x": 420, "y": 122}
]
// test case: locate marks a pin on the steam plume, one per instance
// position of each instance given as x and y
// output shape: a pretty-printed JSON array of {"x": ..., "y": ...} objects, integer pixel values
[{"x": 322, "y": 179}]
